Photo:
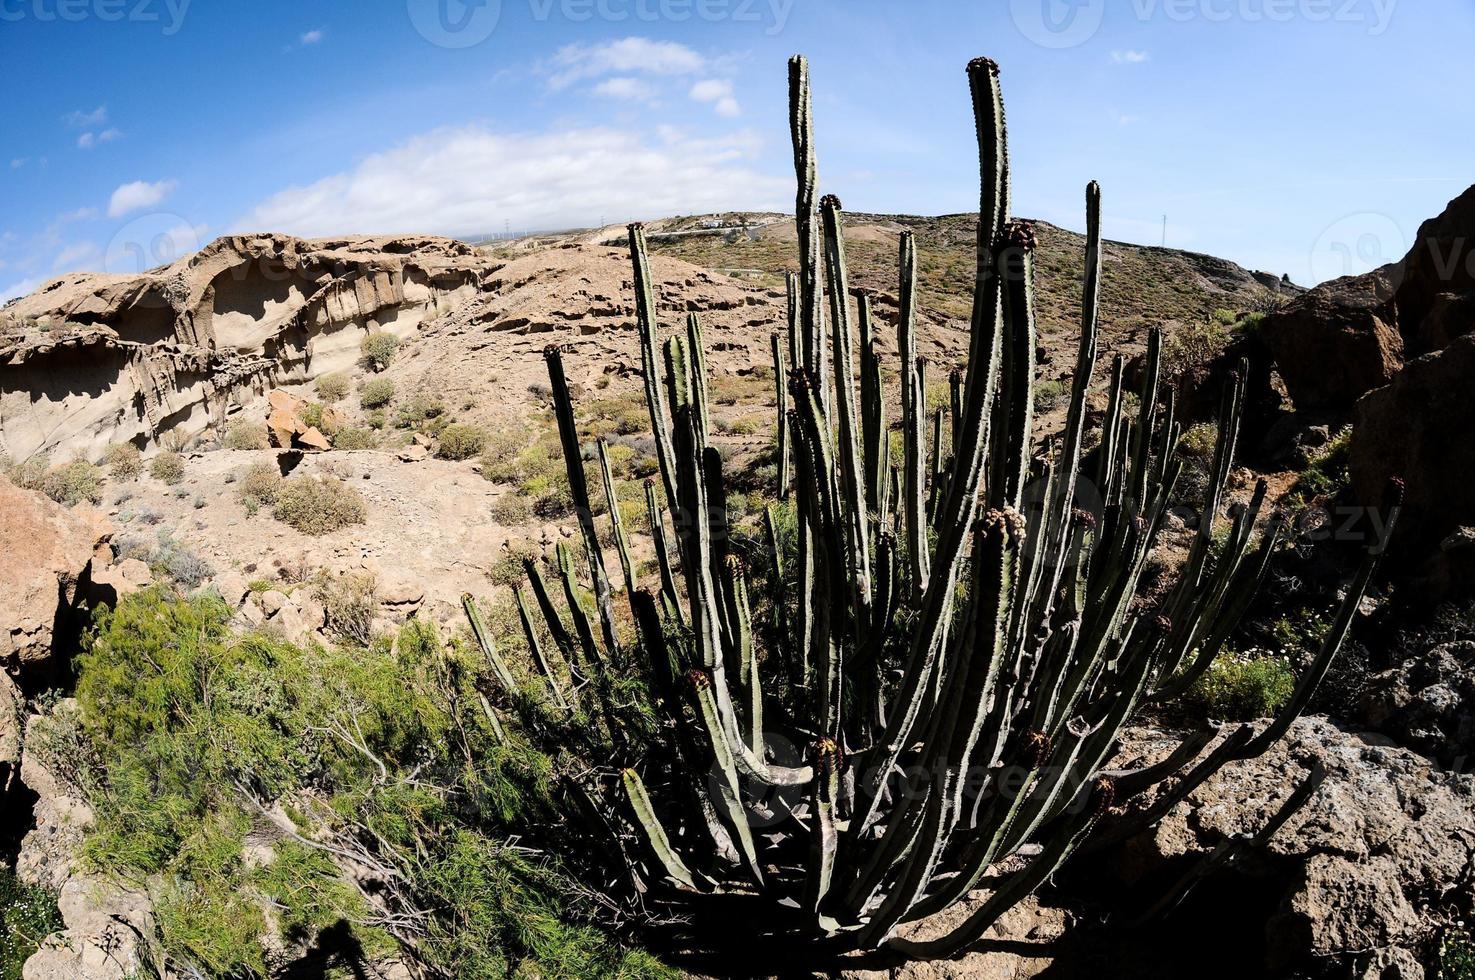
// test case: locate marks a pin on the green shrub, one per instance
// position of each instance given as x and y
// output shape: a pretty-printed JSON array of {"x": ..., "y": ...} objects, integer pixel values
[
  {"x": 1193, "y": 346},
  {"x": 461, "y": 440},
  {"x": 350, "y": 601},
  {"x": 74, "y": 483},
  {"x": 29, "y": 474},
  {"x": 376, "y": 393},
  {"x": 167, "y": 467},
  {"x": 124, "y": 461},
  {"x": 27, "y": 916},
  {"x": 259, "y": 485},
  {"x": 512, "y": 509},
  {"x": 378, "y": 350},
  {"x": 1049, "y": 394},
  {"x": 316, "y": 415},
  {"x": 418, "y": 409},
  {"x": 355, "y": 437},
  {"x": 179, "y": 563},
  {"x": 1198, "y": 442},
  {"x": 332, "y": 387},
  {"x": 183, "y": 734},
  {"x": 1241, "y": 688},
  {"x": 318, "y": 504},
  {"x": 245, "y": 435},
  {"x": 1456, "y": 954}
]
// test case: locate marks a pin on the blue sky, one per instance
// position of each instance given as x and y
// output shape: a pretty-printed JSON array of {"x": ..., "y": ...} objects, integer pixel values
[{"x": 1307, "y": 137}]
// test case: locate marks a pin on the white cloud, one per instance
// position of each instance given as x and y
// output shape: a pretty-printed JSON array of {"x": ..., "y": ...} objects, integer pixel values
[
  {"x": 632, "y": 54},
  {"x": 89, "y": 139},
  {"x": 86, "y": 120},
  {"x": 311, "y": 37},
  {"x": 1121, "y": 118},
  {"x": 81, "y": 214},
  {"x": 86, "y": 141},
  {"x": 76, "y": 257},
  {"x": 718, "y": 92},
  {"x": 23, "y": 288},
  {"x": 139, "y": 194},
  {"x": 469, "y": 180},
  {"x": 625, "y": 88},
  {"x": 1129, "y": 57},
  {"x": 17, "y": 163}
]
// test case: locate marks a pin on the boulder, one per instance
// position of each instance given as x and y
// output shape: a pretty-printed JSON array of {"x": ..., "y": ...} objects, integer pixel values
[
  {"x": 106, "y": 934},
  {"x": 1362, "y": 869},
  {"x": 1437, "y": 278},
  {"x": 300, "y": 618},
  {"x": 46, "y": 580},
  {"x": 1418, "y": 428},
  {"x": 1337, "y": 342},
  {"x": 1428, "y": 702},
  {"x": 48, "y": 852}
]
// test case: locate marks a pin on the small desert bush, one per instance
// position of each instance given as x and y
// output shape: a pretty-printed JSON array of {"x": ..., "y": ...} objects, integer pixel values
[
  {"x": 1241, "y": 688},
  {"x": 317, "y": 415},
  {"x": 318, "y": 504},
  {"x": 421, "y": 407},
  {"x": 461, "y": 440},
  {"x": 350, "y": 601},
  {"x": 74, "y": 483},
  {"x": 355, "y": 437},
  {"x": 1193, "y": 346},
  {"x": 378, "y": 350},
  {"x": 1050, "y": 394},
  {"x": 245, "y": 435},
  {"x": 167, "y": 467},
  {"x": 1198, "y": 442},
  {"x": 124, "y": 461},
  {"x": 332, "y": 387},
  {"x": 259, "y": 486},
  {"x": 376, "y": 393},
  {"x": 179, "y": 563},
  {"x": 512, "y": 509},
  {"x": 29, "y": 474}
]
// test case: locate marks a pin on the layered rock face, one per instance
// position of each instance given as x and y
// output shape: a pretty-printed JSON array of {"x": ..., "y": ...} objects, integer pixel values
[{"x": 174, "y": 349}]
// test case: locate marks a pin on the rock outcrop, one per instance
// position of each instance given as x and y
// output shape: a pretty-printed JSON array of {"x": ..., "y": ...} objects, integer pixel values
[
  {"x": 1418, "y": 428},
  {"x": 1351, "y": 336},
  {"x": 172, "y": 350},
  {"x": 1428, "y": 703},
  {"x": 47, "y": 578}
]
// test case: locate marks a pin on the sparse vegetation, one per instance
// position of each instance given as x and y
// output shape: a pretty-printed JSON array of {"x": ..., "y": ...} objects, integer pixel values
[
  {"x": 124, "y": 461},
  {"x": 167, "y": 467},
  {"x": 332, "y": 387},
  {"x": 1193, "y": 346},
  {"x": 242, "y": 434},
  {"x": 183, "y": 735},
  {"x": 27, "y": 916},
  {"x": 461, "y": 440},
  {"x": 376, "y": 393},
  {"x": 1241, "y": 688},
  {"x": 259, "y": 486},
  {"x": 355, "y": 437},
  {"x": 318, "y": 504},
  {"x": 350, "y": 601},
  {"x": 418, "y": 409},
  {"x": 1050, "y": 394},
  {"x": 74, "y": 483},
  {"x": 378, "y": 350}
]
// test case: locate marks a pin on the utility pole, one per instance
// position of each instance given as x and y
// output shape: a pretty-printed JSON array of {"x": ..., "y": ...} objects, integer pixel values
[{"x": 1165, "y": 231}]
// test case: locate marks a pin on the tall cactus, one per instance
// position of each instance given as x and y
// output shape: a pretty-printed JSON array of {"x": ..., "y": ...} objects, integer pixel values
[{"x": 1007, "y": 695}]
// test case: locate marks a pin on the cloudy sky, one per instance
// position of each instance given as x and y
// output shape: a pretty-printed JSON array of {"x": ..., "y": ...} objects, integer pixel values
[{"x": 1307, "y": 137}]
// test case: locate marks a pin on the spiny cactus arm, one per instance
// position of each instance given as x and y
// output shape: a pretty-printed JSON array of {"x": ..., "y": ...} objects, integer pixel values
[
  {"x": 1146, "y": 412},
  {"x": 655, "y": 834},
  {"x": 1016, "y": 887},
  {"x": 655, "y": 396},
  {"x": 955, "y": 402},
  {"x": 937, "y": 456},
  {"x": 698, "y": 373},
  {"x": 561, "y": 637},
  {"x": 693, "y": 532},
  {"x": 719, "y": 534},
  {"x": 873, "y": 410},
  {"x": 583, "y": 628},
  {"x": 847, "y": 419},
  {"x": 778, "y": 601},
  {"x": 956, "y": 516},
  {"x": 913, "y": 410},
  {"x": 1015, "y": 264},
  {"x": 653, "y": 512},
  {"x": 488, "y": 644},
  {"x": 811, "y": 312},
  {"x": 781, "y": 399},
  {"x": 1134, "y": 781},
  {"x": 729, "y": 809},
  {"x": 498, "y": 732},
  {"x": 797, "y": 357},
  {"x": 573, "y": 459},
  {"x": 616, "y": 522},
  {"x": 823, "y": 839},
  {"x": 1111, "y": 435},
  {"x": 535, "y": 646}
]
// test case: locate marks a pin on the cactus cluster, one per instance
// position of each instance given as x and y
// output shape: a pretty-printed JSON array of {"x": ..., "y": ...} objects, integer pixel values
[{"x": 957, "y": 636}]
